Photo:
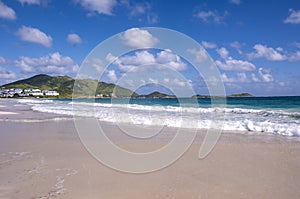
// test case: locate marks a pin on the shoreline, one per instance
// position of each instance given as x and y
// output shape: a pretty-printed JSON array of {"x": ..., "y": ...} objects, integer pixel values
[{"x": 24, "y": 113}]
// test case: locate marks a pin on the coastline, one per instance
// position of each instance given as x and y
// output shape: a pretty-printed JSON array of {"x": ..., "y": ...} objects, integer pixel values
[{"x": 41, "y": 156}]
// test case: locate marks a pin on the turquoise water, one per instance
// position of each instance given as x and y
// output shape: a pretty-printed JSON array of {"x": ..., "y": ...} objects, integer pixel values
[
  {"x": 267, "y": 115},
  {"x": 288, "y": 102}
]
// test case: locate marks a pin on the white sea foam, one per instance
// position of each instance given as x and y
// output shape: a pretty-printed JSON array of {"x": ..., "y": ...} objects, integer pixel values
[{"x": 271, "y": 121}]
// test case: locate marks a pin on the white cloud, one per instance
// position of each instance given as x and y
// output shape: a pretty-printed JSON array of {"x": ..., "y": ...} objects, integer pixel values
[
  {"x": 111, "y": 58},
  {"x": 138, "y": 60},
  {"x": 236, "y": 2},
  {"x": 53, "y": 63},
  {"x": 200, "y": 55},
  {"x": 74, "y": 39},
  {"x": 270, "y": 54},
  {"x": 143, "y": 58},
  {"x": 138, "y": 38},
  {"x": 5, "y": 74},
  {"x": 240, "y": 77},
  {"x": 171, "y": 60},
  {"x": 235, "y": 65},
  {"x": 7, "y": 12},
  {"x": 265, "y": 75},
  {"x": 181, "y": 83},
  {"x": 96, "y": 63},
  {"x": 231, "y": 64},
  {"x": 152, "y": 81},
  {"x": 237, "y": 45},
  {"x": 223, "y": 52},
  {"x": 254, "y": 78},
  {"x": 111, "y": 74},
  {"x": 211, "y": 16},
  {"x": 226, "y": 79},
  {"x": 98, "y": 6},
  {"x": 37, "y": 2},
  {"x": 294, "y": 17},
  {"x": 34, "y": 35},
  {"x": 208, "y": 45}
]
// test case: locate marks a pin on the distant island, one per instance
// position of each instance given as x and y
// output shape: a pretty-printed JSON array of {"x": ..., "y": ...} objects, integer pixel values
[
  {"x": 229, "y": 96},
  {"x": 62, "y": 87},
  {"x": 157, "y": 94},
  {"x": 241, "y": 95}
]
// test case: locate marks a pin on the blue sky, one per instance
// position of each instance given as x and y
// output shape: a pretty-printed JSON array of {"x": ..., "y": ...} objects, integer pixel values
[{"x": 255, "y": 44}]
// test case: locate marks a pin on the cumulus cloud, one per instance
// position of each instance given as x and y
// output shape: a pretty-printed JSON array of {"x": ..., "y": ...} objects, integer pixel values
[
  {"x": 227, "y": 79},
  {"x": 263, "y": 75},
  {"x": 111, "y": 58},
  {"x": 5, "y": 74},
  {"x": 239, "y": 78},
  {"x": 235, "y": 65},
  {"x": 37, "y": 2},
  {"x": 53, "y": 63},
  {"x": 171, "y": 60},
  {"x": 181, "y": 82},
  {"x": 223, "y": 52},
  {"x": 98, "y": 6},
  {"x": 294, "y": 17},
  {"x": 136, "y": 62},
  {"x": 231, "y": 64},
  {"x": 138, "y": 38},
  {"x": 111, "y": 74},
  {"x": 74, "y": 39},
  {"x": 211, "y": 17},
  {"x": 34, "y": 35},
  {"x": 271, "y": 54},
  {"x": 254, "y": 78},
  {"x": 7, "y": 12},
  {"x": 208, "y": 45},
  {"x": 200, "y": 55}
]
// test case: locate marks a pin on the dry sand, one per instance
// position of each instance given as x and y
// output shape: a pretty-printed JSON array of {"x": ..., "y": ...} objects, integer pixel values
[{"x": 45, "y": 159}]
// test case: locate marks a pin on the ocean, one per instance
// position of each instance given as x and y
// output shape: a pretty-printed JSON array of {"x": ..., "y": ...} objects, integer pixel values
[{"x": 266, "y": 115}]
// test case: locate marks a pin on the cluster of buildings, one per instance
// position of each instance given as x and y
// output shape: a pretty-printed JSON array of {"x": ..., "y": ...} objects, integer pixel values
[{"x": 28, "y": 92}]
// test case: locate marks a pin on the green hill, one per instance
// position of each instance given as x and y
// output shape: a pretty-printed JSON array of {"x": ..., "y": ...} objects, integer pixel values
[
  {"x": 64, "y": 85},
  {"x": 157, "y": 94}
]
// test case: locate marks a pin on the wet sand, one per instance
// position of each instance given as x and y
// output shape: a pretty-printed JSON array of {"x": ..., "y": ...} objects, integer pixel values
[{"x": 41, "y": 156}]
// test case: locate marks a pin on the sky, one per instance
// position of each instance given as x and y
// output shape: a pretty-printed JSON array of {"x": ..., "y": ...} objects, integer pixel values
[{"x": 254, "y": 44}]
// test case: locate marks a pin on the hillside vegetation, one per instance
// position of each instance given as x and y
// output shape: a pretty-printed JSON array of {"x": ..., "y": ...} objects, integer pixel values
[{"x": 64, "y": 85}]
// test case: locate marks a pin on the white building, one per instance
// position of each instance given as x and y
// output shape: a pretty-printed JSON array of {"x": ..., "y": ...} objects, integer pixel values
[{"x": 50, "y": 93}]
